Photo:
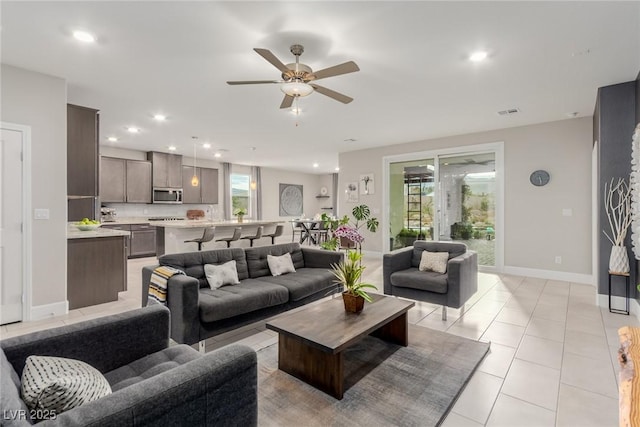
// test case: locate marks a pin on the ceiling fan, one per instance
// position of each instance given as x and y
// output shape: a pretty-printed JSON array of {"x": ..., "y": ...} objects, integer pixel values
[{"x": 297, "y": 78}]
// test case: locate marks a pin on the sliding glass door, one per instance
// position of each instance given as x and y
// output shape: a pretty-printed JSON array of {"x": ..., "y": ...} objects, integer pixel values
[{"x": 445, "y": 197}]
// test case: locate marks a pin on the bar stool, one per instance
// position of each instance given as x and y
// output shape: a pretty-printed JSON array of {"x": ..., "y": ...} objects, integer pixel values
[
  {"x": 277, "y": 233},
  {"x": 236, "y": 235},
  {"x": 256, "y": 236},
  {"x": 207, "y": 236}
]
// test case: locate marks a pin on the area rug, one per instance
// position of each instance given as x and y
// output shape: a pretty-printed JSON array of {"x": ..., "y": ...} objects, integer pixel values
[{"x": 386, "y": 384}]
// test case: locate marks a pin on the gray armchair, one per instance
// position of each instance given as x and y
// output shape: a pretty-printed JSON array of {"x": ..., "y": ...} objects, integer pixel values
[
  {"x": 452, "y": 289},
  {"x": 152, "y": 383}
]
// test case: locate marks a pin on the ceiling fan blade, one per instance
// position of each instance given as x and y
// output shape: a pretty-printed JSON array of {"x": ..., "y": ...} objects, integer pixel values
[
  {"x": 252, "y": 82},
  {"x": 336, "y": 70},
  {"x": 332, "y": 94},
  {"x": 266, "y": 54},
  {"x": 287, "y": 102}
]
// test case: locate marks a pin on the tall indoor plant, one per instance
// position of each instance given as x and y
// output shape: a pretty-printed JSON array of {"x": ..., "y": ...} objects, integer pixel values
[
  {"x": 617, "y": 203},
  {"x": 349, "y": 274},
  {"x": 346, "y": 229}
]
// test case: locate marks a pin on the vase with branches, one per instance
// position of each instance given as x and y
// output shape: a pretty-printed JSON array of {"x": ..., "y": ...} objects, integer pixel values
[{"x": 617, "y": 201}]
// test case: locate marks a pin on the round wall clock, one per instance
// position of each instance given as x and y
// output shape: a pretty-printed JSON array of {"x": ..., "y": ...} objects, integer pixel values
[{"x": 539, "y": 178}]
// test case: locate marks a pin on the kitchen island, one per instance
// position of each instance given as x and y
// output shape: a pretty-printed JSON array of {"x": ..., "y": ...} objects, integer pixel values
[
  {"x": 170, "y": 235},
  {"x": 96, "y": 266}
]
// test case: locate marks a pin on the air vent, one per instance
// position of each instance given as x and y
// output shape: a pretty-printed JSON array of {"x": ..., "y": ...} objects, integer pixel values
[{"x": 509, "y": 112}]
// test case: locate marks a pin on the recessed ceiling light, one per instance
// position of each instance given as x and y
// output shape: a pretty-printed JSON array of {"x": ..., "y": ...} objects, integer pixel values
[
  {"x": 315, "y": 165},
  {"x": 478, "y": 56},
  {"x": 112, "y": 139},
  {"x": 206, "y": 145},
  {"x": 217, "y": 155},
  {"x": 172, "y": 148},
  {"x": 160, "y": 117},
  {"x": 296, "y": 110},
  {"x": 337, "y": 169},
  {"x": 84, "y": 36},
  {"x": 133, "y": 129}
]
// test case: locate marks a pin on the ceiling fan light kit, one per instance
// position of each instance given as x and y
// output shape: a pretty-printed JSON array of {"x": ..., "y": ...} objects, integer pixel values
[{"x": 296, "y": 77}]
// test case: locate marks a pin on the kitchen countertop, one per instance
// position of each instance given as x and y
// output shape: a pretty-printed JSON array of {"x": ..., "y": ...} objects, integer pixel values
[
  {"x": 199, "y": 223},
  {"x": 74, "y": 233}
]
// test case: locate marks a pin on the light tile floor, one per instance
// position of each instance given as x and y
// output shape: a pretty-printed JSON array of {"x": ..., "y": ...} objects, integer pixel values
[{"x": 553, "y": 350}]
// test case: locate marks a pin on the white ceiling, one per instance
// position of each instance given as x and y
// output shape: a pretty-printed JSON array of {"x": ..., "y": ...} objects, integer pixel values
[{"x": 174, "y": 57}]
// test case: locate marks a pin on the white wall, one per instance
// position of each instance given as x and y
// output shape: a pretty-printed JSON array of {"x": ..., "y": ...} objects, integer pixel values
[
  {"x": 40, "y": 101},
  {"x": 535, "y": 229}
]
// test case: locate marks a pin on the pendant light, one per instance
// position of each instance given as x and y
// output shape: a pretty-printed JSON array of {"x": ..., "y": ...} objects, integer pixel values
[{"x": 194, "y": 181}]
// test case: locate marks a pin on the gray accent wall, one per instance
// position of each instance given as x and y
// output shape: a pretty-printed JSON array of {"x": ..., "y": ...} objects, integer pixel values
[{"x": 614, "y": 122}]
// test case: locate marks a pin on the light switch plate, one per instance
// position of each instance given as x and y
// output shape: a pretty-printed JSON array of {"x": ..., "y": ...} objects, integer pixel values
[{"x": 41, "y": 214}]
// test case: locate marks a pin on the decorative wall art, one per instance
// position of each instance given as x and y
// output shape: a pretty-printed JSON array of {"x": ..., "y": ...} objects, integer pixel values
[
  {"x": 367, "y": 184},
  {"x": 290, "y": 200},
  {"x": 351, "y": 191}
]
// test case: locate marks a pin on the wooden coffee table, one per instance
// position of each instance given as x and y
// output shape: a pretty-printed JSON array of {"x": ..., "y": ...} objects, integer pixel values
[{"x": 311, "y": 341}]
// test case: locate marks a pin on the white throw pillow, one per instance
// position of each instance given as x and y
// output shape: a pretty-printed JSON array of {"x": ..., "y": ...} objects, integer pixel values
[
  {"x": 57, "y": 384},
  {"x": 223, "y": 274},
  {"x": 279, "y": 265},
  {"x": 434, "y": 261}
]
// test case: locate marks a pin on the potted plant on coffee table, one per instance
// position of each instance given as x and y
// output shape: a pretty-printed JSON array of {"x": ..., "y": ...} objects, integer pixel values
[{"x": 349, "y": 274}]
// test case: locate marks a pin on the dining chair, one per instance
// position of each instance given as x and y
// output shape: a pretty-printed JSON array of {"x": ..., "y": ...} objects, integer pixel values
[
  {"x": 320, "y": 234},
  {"x": 296, "y": 228},
  {"x": 207, "y": 236}
]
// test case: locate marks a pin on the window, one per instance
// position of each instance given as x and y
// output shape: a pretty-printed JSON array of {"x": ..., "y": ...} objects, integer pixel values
[{"x": 240, "y": 192}]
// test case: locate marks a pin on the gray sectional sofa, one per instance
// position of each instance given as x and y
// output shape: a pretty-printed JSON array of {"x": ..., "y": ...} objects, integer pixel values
[
  {"x": 198, "y": 312},
  {"x": 153, "y": 384}
]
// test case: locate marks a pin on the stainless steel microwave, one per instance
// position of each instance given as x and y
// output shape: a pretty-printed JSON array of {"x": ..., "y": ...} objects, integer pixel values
[{"x": 167, "y": 195}]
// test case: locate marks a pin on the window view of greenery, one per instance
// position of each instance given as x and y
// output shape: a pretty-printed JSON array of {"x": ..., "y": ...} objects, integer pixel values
[
  {"x": 240, "y": 193},
  {"x": 467, "y": 202}
]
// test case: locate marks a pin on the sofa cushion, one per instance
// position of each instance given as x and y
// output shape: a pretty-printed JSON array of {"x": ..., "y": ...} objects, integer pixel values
[
  {"x": 423, "y": 280},
  {"x": 193, "y": 263},
  {"x": 220, "y": 275},
  {"x": 58, "y": 384},
  {"x": 434, "y": 261},
  {"x": 455, "y": 249},
  {"x": 150, "y": 366},
  {"x": 249, "y": 295},
  {"x": 304, "y": 282},
  {"x": 257, "y": 257},
  {"x": 279, "y": 265},
  {"x": 10, "y": 399}
]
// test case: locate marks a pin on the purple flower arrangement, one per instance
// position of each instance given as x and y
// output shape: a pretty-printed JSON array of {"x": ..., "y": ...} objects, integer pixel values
[{"x": 350, "y": 233}]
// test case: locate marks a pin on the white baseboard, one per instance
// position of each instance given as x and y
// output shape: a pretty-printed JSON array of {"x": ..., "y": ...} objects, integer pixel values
[
  {"x": 550, "y": 275},
  {"x": 618, "y": 303},
  {"x": 49, "y": 310}
]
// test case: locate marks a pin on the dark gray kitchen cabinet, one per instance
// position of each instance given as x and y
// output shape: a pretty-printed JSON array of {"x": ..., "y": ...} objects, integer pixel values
[
  {"x": 138, "y": 174},
  {"x": 166, "y": 169},
  {"x": 207, "y": 190},
  {"x": 82, "y": 151},
  {"x": 125, "y": 181},
  {"x": 112, "y": 180},
  {"x": 143, "y": 240}
]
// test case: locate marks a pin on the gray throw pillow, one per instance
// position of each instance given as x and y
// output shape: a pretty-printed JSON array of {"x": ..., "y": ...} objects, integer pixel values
[
  {"x": 223, "y": 274},
  {"x": 279, "y": 265},
  {"x": 57, "y": 384},
  {"x": 434, "y": 261}
]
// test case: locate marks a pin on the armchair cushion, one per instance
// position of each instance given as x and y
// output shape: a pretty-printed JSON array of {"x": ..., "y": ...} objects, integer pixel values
[
  {"x": 454, "y": 249},
  {"x": 58, "y": 384},
  {"x": 150, "y": 366},
  {"x": 230, "y": 301},
  {"x": 422, "y": 280},
  {"x": 434, "y": 261}
]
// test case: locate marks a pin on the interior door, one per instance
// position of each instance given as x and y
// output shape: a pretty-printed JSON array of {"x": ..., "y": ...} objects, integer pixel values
[{"x": 11, "y": 242}]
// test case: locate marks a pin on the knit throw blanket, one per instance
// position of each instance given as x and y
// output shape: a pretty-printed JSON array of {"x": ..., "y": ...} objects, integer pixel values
[{"x": 158, "y": 283}]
